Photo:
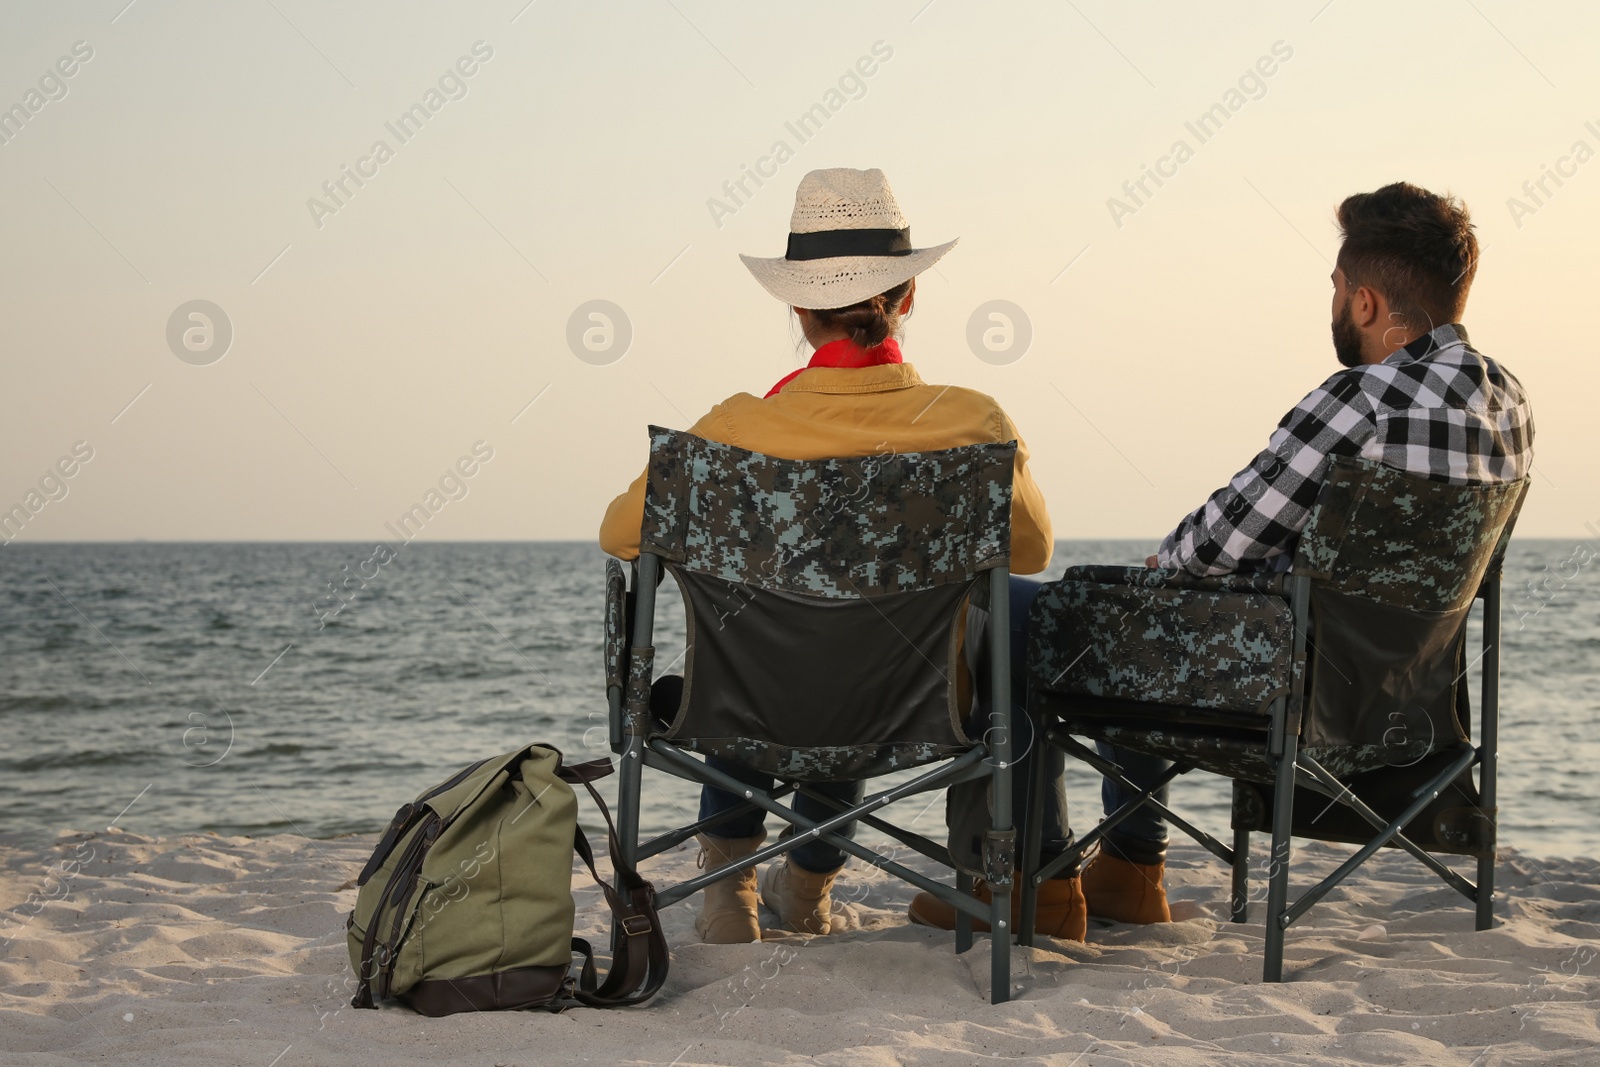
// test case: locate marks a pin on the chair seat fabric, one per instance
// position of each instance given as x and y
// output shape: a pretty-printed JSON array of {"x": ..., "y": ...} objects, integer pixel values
[
  {"x": 1455, "y": 822},
  {"x": 822, "y": 763},
  {"x": 1233, "y": 753},
  {"x": 1079, "y": 707}
]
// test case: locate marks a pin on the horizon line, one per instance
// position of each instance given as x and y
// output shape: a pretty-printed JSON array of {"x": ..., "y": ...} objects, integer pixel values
[{"x": 480, "y": 540}]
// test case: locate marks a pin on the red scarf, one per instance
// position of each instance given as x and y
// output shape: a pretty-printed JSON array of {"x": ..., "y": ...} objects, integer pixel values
[{"x": 847, "y": 354}]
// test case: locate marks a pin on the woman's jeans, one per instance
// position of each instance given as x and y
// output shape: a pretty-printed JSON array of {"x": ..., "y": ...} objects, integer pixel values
[
  {"x": 816, "y": 855},
  {"x": 1141, "y": 838}
]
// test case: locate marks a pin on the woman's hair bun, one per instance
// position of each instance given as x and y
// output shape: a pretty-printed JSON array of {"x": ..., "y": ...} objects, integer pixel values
[{"x": 869, "y": 323}]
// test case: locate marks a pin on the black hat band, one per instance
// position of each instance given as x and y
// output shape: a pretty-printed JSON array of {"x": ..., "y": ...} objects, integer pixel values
[{"x": 828, "y": 244}]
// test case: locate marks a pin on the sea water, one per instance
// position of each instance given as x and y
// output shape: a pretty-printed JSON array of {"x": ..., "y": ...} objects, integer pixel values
[{"x": 314, "y": 688}]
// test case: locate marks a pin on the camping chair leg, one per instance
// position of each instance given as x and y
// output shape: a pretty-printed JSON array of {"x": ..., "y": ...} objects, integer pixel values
[
  {"x": 1000, "y": 946},
  {"x": 963, "y": 920},
  {"x": 628, "y": 790},
  {"x": 1000, "y": 849},
  {"x": 1485, "y": 918},
  {"x": 1240, "y": 902},
  {"x": 1033, "y": 843},
  {"x": 1241, "y": 876},
  {"x": 1488, "y": 742},
  {"x": 1278, "y": 871}
]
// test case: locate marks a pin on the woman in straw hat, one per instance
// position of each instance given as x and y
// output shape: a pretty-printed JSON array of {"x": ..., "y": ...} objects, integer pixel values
[{"x": 849, "y": 275}]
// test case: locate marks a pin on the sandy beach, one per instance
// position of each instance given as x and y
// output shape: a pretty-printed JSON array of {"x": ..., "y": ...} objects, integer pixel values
[
  {"x": 199, "y": 949},
  {"x": 353, "y": 347}
]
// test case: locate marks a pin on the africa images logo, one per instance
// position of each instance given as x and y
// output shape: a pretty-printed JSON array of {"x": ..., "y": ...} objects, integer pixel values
[{"x": 199, "y": 332}]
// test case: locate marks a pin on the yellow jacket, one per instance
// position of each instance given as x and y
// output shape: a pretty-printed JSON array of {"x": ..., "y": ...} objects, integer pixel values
[{"x": 828, "y": 412}]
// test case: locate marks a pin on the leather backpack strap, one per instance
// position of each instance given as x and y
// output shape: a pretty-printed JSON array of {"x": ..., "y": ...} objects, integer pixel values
[
  {"x": 592, "y": 771},
  {"x": 640, "y": 958},
  {"x": 639, "y": 953}
]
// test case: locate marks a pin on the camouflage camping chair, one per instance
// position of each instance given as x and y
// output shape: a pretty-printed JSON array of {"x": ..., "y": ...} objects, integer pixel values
[
  {"x": 825, "y": 603},
  {"x": 1331, "y": 695}
]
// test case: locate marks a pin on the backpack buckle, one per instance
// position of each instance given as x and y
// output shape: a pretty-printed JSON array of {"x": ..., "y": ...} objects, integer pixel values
[{"x": 637, "y": 925}]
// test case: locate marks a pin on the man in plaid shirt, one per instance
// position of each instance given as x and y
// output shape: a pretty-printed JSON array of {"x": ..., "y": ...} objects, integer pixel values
[{"x": 1414, "y": 395}]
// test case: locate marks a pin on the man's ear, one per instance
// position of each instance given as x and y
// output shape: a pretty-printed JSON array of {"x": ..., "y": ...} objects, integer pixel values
[{"x": 1367, "y": 306}]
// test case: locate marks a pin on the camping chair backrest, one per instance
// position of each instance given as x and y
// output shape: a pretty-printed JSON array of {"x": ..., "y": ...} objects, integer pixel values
[
  {"x": 824, "y": 598},
  {"x": 1395, "y": 560}
]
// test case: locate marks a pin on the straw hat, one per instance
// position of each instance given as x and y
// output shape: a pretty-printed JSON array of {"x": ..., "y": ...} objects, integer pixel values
[{"x": 848, "y": 242}]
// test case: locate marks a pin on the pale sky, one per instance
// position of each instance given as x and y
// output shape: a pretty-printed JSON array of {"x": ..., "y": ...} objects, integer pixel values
[{"x": 375, "y": 344}]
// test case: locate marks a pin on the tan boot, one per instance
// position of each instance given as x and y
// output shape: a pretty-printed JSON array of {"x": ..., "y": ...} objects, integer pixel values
[
  {"x": 728, "y": 910},
  {"x": 800, "y": 897},
  {"x": 1125, "y": 892},
  {"x": 1060, "y": 913}
]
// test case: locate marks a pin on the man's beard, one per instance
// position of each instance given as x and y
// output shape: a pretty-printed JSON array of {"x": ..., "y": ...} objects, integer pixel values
[{"x": 1346, "y": 338}]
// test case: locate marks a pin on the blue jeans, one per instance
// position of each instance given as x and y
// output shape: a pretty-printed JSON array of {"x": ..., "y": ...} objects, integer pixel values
[
  {"x": 816, "y": 855},
  {"x": 1140, "y": 838}
]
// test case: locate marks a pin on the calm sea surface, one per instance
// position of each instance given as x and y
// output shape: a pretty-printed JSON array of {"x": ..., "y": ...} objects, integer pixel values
[{"x": 172, "y": 688}]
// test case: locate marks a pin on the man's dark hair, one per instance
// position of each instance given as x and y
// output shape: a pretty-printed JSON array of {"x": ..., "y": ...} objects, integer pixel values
[{"x": 1415, "y": 247}]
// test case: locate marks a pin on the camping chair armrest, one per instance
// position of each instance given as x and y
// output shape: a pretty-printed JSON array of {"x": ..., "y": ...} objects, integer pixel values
[
  {"x": 1177, "y": 578},
  {"x": 622, "y": 664},
  {"x": 616, "y": 624},
  {"x": 1096, "y": 633}
]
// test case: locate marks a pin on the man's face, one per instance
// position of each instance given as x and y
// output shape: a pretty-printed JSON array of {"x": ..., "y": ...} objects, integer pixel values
[{"x": 1346, "y": 338}]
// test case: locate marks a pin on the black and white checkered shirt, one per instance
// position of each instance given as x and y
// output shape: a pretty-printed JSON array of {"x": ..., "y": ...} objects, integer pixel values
[{"x": 1436, "y": 407}]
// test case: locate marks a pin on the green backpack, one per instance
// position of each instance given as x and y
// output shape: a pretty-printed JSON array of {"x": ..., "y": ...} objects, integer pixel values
[{"x": 466, "y": 904}]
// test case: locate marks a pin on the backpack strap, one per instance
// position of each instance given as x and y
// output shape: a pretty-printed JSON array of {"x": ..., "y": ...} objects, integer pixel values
[
  {"x": 639, "y": 958},
  {"x": 592, "y": 771}
]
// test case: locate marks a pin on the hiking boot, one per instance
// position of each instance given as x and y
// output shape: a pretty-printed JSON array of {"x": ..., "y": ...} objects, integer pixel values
[
  {"x": 800, "y": 897},
  {"x": 728, "y": 910},
  {"x": 1125, "y": 892},
  {"x": 1060, "y": 913}
]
